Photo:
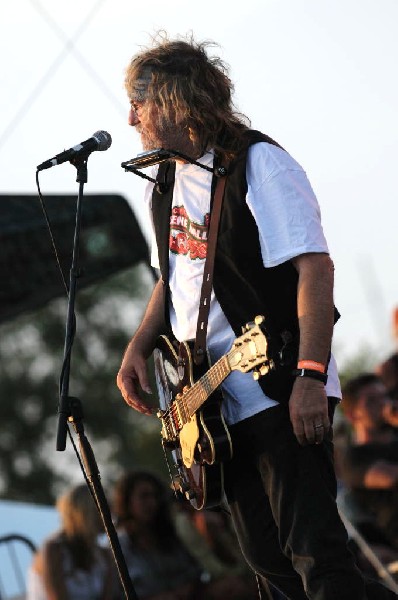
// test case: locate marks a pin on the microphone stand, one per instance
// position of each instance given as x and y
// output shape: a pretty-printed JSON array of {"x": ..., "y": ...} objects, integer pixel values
[{"x": 70, "y": 409}]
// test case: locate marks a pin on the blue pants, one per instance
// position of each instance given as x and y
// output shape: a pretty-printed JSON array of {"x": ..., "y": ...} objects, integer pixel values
[{"x": 282, "y": 498}]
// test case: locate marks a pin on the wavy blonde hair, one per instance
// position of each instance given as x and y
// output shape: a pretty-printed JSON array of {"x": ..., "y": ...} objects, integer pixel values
[
  {"x": 78, "y": 513},
  {"x": 191, "y": 89}
]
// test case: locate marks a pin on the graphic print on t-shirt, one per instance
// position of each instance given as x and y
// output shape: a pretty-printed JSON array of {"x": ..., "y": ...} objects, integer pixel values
[{"x": 186, "y": 236}]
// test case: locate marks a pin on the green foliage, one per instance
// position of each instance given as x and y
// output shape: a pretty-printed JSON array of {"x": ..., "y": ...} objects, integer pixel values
[{"x": 31, "y": 356}]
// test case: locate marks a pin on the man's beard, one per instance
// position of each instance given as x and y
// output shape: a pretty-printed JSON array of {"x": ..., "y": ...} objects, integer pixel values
[{"x": 168, "y": 136}]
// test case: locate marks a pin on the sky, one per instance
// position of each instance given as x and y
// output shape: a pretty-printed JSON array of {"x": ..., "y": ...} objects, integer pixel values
[
  {"x": 317, "y": 76},
  {"x": 33, "y": 522}
]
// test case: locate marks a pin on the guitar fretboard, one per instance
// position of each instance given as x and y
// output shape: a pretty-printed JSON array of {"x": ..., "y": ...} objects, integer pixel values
[
  {"x": 185, "y": 405},
  {"x": 205, "y": 386},
  {"x": 247, "y": 352}
]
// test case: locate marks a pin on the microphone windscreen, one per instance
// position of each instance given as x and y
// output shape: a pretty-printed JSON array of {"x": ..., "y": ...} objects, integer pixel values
[{"x": 104, "y": 139}]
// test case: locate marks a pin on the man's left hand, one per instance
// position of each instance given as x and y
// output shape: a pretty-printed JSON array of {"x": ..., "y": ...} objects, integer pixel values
[{"x": 308, "y": 406}]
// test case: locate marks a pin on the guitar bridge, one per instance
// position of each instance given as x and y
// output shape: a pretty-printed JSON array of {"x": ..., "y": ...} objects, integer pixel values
[{"x": 168, "y": 431}]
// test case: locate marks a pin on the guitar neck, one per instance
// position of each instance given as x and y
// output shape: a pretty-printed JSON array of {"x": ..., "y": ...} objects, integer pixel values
[
  {"x": 247, "y": 352},
  {"x": 206, "y": 385}
]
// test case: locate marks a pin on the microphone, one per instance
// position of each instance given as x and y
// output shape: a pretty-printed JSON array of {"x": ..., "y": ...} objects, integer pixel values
[{"x": 100, "y": 140}]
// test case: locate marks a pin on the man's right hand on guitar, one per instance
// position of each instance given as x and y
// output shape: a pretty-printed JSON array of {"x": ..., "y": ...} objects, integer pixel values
[
  {"x": 133, "y": 373},
  {"x": 133, "y": 377}
]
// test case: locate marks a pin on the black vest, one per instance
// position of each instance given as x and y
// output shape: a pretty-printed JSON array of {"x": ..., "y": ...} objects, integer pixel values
[{"x": 243, "y": 286}]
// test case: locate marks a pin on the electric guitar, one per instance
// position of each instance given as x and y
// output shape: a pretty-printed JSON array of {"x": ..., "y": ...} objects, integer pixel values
[{"x": 193, "y": 427}]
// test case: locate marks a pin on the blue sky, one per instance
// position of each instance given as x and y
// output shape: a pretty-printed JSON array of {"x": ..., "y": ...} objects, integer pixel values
[
  {"x": 318, "y": 76},
  {"x": 34, "y": 523}
]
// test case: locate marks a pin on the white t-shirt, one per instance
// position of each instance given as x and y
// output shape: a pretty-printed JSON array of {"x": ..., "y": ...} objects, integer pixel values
[{"x": 287, "y": 215}]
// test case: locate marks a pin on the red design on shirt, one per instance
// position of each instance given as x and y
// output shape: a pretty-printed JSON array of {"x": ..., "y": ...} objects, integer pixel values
[{"x": 186, "y": 236}]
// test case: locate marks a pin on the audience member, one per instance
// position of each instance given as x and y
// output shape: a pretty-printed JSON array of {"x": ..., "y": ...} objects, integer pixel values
[
  {"x": 160, "y": 566},
  {"x": 369, "y": 468},
  {"x": 71, "y": 565},
  {"x": 388, "y": 373},
  {"x": 212, "y": 541}
]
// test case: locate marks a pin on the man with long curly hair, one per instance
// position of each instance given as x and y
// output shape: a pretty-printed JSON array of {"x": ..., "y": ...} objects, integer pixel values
[{"x": 271, "y": 259}]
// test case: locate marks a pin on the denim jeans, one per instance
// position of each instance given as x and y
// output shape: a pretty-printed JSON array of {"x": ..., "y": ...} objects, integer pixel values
[{"x": 282, "y": 498}]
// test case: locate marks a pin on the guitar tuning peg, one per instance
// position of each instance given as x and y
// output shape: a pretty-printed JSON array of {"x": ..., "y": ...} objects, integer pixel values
[
  {"x": 264, "y": 369},
  {"x": 259, "y": 320}
]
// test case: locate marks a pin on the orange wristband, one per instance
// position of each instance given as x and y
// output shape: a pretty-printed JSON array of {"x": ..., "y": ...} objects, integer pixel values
[{"x": 311, "y": 364}]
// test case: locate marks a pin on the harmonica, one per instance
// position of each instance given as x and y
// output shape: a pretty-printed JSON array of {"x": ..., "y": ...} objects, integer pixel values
[{"x": 147, "y": 159}]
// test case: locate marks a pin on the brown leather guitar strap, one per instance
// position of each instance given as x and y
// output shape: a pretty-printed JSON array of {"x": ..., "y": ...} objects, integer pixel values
[{"x": 207, "y": 283}]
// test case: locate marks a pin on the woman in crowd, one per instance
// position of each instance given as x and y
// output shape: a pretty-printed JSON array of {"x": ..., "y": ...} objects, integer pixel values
[
  {"x": 71, "y": 565},
  {"x": 160, "y": 566}
]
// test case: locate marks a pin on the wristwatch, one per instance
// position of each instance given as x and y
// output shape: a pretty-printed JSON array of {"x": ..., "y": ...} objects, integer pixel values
[{"x": 310, "y": 373}]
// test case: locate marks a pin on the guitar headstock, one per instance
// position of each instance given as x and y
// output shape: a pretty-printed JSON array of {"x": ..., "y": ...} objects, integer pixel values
[{"x": 250, "y": 350}]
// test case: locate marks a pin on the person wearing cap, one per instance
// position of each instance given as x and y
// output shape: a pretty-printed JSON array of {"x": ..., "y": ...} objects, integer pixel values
[{"x": 271, "y": 259}]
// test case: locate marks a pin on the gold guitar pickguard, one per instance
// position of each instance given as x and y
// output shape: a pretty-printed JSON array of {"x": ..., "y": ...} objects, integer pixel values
[{"x": 189, "y": 436}]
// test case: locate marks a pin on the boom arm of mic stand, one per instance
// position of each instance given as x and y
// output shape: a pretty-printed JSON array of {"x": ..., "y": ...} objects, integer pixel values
[{"x": 64, "y": 409}]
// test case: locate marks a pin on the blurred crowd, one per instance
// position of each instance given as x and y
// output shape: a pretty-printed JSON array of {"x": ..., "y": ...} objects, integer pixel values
[
  {"x": 366, "y": 459},
  {"x": 174, "y": 552}
]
